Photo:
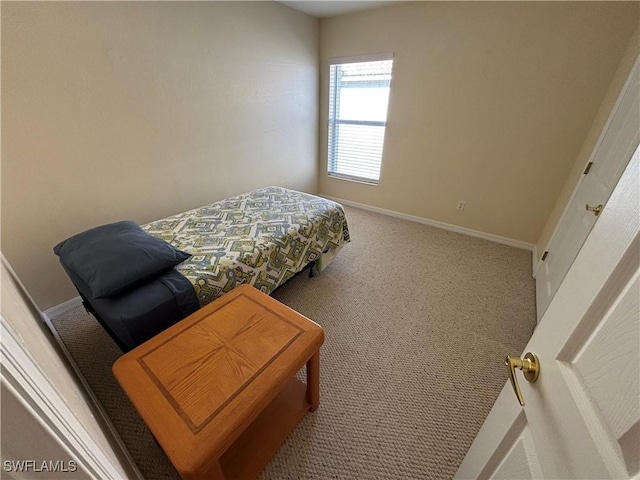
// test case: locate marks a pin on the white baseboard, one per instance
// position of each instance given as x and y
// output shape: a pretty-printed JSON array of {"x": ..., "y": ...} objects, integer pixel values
[
  {"x": 434, "y": 223},
  {"x": 64, "y": 307}
]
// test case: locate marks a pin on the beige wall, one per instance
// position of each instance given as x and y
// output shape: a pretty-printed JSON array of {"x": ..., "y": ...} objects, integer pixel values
[
  {"x": 139, "y": 110},
  {"x": 619, "y": 79},
  {"x": 490, "y": 103}
]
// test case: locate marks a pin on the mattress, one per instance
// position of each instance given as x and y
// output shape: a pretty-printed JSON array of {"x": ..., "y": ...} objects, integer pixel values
[
  {"x": 261, "y": 238},
  {"x": 133, "y": 317}
]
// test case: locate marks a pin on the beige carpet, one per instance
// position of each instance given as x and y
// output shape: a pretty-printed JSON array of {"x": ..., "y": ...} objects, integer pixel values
[{"x": 418, "y": 321}]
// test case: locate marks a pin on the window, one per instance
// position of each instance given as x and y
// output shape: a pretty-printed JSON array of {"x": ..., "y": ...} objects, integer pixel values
[{"x": 358, "y": 99}]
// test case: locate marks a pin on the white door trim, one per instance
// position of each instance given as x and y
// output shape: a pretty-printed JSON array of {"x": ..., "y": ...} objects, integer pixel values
[
  {"x": 24, "y": 377},
  {"x": 625, "y": 96},
  {"x": 92, "y": 396}
]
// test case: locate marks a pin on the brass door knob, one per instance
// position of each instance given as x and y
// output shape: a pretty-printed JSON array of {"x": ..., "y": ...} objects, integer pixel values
[
  {"x": 596, "y": 210},
  {"x": 530, "y": 366}
]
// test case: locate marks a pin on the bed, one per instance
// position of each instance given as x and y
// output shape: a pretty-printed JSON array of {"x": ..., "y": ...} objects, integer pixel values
[{"x": 261, "y": 238}]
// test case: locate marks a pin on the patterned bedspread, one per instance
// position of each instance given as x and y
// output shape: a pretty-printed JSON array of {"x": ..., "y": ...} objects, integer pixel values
[{"x": 262, "y": 238}]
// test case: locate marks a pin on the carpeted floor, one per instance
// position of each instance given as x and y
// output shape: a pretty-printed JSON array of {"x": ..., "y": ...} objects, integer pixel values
[{"x": 418, "y": 321}]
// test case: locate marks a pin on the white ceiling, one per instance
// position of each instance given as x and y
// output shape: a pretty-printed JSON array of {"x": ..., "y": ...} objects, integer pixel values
[{"x": 322, "y": 9}]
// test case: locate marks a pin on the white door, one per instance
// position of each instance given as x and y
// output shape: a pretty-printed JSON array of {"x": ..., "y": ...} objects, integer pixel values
[
  {"x": 581, "y": 418},
  {"x": 618, "y": 141}
]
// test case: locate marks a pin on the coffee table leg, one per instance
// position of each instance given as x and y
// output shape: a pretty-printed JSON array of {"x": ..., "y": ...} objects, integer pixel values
[{"x": 313, "y": 381}]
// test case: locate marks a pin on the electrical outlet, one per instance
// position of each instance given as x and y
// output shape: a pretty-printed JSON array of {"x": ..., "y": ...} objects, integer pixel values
[{"x": 461, "y": 204}]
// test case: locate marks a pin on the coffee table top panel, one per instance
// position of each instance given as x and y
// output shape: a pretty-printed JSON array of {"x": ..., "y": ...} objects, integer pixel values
[{"x": 237, "y": 343}]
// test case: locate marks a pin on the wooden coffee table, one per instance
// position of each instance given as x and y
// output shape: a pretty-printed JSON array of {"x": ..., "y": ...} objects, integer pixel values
[{"x": 218, "y": 389}]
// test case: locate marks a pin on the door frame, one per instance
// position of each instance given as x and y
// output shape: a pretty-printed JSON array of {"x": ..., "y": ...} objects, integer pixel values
[{"x": 33, "y": 389}]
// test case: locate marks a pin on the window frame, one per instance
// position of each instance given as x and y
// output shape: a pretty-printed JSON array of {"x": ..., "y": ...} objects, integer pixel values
[{"x": 332, "y": 120}]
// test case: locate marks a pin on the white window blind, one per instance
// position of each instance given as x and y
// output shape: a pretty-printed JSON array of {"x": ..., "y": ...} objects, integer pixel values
[{"x": 358, "y": 99}]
